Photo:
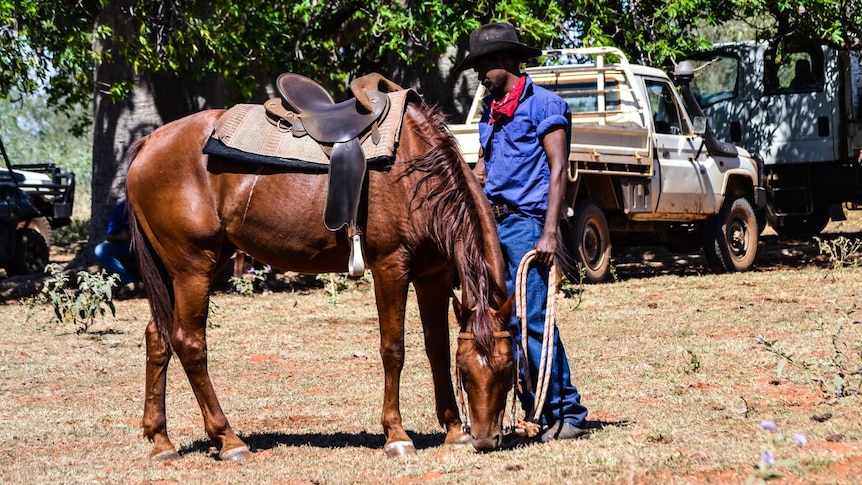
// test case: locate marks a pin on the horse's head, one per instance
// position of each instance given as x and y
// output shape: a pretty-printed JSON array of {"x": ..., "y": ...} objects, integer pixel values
[{"x": 486, "y": 372}]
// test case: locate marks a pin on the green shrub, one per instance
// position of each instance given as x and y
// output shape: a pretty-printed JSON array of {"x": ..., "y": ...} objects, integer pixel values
[
  {"x": 77, "y": 306},
  {"x": 245, "y": 284},
  {"x": 841, "y": 251}
]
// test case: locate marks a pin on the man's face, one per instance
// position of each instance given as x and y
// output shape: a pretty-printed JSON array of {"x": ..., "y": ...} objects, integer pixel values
[{"x": 493, "y": 71}]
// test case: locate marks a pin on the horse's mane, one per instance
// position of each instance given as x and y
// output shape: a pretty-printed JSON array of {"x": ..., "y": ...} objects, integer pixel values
[{"x": 455, "y": 221}]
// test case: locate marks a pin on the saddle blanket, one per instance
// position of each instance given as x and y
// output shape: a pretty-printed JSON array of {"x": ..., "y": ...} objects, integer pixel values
[{"x": 244, "y": 133}]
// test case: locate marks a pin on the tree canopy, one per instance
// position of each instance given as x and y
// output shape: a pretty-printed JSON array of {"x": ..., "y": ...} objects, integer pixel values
[{"x": 53, "y": 40}]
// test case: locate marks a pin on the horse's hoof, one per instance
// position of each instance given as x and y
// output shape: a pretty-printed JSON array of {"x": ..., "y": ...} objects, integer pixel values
[
  {"x": 237, "y": 455},
  {"x": 166, "y": 455},
  {"x": 398, "y": 449}
]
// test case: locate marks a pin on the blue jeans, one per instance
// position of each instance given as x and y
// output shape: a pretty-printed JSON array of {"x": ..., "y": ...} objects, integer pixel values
[
  {"x": 519, "y": 235},
  {"x": 115, "y": 257}
]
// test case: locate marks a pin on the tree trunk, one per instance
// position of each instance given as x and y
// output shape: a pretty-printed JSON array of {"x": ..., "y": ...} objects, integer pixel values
[{"x": 154, "y": 101}]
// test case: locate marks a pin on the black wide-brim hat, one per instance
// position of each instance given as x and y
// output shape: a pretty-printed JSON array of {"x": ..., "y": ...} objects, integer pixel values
[{"x": 492, "y": 38}]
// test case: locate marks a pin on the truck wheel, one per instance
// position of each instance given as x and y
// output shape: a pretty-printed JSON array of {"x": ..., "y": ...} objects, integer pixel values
[
  {"x": 31, "y": 253},
  {"x": 730, "y": 238},
  {"x": 42, "y": 225},
  {"x": 800, "y": 228},
  {"x": 592, "y": 241}
]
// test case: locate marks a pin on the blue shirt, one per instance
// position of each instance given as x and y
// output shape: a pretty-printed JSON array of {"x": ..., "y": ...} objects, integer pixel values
[
  {"x": 516, "y": 165},
  {"x": 119, "y": 221}
]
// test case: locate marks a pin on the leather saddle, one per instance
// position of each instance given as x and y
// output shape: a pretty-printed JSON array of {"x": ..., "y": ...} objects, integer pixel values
[
  {"x": 306, "y": 108},
  {"x": 315, "y": 113}
]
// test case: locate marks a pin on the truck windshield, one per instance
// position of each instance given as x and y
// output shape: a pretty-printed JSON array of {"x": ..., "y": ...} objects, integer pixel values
[
  {"x": 715, "y": 78},
  {"x": 583, "y": 97}
]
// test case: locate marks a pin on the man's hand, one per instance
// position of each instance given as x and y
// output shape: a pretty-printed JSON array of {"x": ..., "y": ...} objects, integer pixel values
[
  {"x": 479, "y": 168},
  {"x": 119, "y": 237},
  {"x": 546, "y": 248}
]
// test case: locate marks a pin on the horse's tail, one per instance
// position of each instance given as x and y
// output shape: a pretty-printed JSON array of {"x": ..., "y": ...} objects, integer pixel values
[{"x": 152, "y": 271}]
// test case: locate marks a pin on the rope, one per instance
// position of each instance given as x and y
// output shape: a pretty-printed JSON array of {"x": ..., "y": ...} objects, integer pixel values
[{"x": 544, "y": 375}]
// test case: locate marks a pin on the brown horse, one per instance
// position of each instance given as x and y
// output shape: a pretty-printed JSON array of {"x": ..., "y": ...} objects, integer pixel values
[{"x": 424, "y": 218}]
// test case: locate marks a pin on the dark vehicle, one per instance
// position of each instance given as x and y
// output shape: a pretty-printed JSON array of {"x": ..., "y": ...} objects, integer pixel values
[
  {"x": 798, "y": 110},
  {"x": 34, "y": 199}
]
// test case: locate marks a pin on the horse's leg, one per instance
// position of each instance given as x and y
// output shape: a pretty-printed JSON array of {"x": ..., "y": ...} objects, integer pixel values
[
  {"x": 154, "y": 422},
  {"x": 391, "y": 296},
  {"x": 189, "y": 342},
  {"x": 433, "y": 297}
]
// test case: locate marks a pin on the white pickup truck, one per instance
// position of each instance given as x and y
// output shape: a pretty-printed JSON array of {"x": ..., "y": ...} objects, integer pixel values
[{"x": 640, "y": 171}]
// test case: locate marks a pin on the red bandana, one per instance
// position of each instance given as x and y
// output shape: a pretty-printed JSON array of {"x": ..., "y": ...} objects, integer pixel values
[{"x": 506, "y": 106}]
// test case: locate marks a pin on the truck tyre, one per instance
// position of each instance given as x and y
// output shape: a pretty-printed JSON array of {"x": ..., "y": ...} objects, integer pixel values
[
  {"x": 42, "y": 225},
  {"x": 730, "y": 238},
  {"x": 31, "y": 253},
  {"x": 592, "y": 241},
  {"x": 800, "y": 228}
]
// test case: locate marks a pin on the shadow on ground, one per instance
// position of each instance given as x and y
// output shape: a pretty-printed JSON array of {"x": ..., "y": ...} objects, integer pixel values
[
  {"x": 270, "y": 440},
  {"x": 773, "y": 253}
]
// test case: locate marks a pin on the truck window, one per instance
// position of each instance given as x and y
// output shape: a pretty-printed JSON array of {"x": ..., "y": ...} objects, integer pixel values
[
  {"x": 583, "y": 97},
  {"x": 794, "y": 72},
  {"x": 715, "y": 78},
  {"x": 663, "y": 105}
]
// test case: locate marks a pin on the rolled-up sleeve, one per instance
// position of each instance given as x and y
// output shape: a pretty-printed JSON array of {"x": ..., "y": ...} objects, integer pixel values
[{"x": 551, "y": 123}]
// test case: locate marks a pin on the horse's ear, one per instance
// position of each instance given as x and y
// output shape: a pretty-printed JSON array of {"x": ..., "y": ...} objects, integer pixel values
[
  {"x": 462, "y": 313},
  {"x": 457, "y": 307},
  {"x": 506, "y": 307}
]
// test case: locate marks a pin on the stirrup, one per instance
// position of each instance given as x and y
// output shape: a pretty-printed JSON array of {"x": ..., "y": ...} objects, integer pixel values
[{"x": 356, "y": 263}]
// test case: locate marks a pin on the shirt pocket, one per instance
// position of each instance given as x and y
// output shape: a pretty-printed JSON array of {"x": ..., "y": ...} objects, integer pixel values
[{"x": 519, "y": 139}]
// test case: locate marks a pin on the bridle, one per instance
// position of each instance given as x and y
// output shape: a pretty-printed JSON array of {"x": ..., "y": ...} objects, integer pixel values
[{"x": 465, "y": 411}]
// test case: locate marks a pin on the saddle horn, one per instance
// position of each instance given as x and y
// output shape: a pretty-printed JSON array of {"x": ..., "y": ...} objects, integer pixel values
[{"x": 375, "y": 82}]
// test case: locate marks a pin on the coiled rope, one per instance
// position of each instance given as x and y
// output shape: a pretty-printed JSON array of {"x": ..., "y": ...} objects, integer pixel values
[{"x": 530, "y": 426}]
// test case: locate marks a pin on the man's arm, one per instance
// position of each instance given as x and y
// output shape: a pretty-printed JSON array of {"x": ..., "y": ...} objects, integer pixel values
[
  {"x": 555, "y": 147},
  {"x": 479, "y": 168}
]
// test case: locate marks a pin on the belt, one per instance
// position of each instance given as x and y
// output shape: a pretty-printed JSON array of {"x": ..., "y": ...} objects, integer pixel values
[{"x": 500, "y": 211}]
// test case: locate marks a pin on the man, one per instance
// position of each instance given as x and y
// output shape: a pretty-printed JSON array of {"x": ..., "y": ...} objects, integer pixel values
[
  {"x": 115, "y": 253},
  {"x": 524, "y": 135}
]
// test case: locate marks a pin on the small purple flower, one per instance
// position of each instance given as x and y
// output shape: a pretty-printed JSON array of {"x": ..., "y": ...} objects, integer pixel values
[
  {"x": 768, "y": 426},
  {"x": 767, "y": 458},
  {"x": 799, "y": 439}
]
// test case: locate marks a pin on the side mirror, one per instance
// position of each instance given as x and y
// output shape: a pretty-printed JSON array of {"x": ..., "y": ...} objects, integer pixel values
[{"x": 698, "y": 124}]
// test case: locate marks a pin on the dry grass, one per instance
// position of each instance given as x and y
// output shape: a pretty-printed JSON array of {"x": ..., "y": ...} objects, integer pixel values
[{"x": 667, "y": 361}]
